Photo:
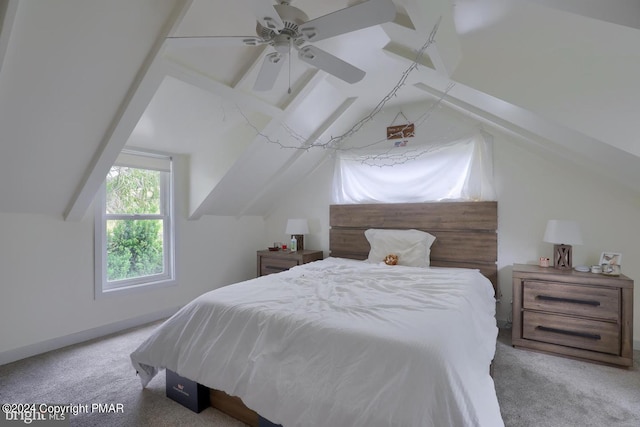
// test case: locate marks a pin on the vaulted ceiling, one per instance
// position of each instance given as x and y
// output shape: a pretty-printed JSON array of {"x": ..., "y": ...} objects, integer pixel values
[{"x": 80, "y": 79}]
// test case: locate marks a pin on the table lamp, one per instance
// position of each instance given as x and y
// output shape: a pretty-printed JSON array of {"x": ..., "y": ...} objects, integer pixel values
[
  {"x": 562, "y": 233},
  {"x": 298, "y": 227}
]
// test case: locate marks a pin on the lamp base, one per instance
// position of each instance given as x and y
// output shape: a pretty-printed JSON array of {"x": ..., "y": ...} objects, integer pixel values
[
  {"x": 562, "y": 257},
  {"x": 299, "y": 241}
]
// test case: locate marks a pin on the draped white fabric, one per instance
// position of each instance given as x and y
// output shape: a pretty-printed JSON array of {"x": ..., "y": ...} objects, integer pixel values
[{"x": 459, "y": 170}]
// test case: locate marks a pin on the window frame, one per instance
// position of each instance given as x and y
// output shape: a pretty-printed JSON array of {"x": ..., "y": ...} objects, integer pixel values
[{"x": 168, "y": 278}]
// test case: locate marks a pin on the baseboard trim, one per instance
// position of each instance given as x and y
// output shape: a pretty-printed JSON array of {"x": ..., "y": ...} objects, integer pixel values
[{"x": 78, "y": 337}]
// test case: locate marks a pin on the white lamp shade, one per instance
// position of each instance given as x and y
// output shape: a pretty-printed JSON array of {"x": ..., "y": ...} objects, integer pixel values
[
  {"x": 563, "y": 232},
  {"x": 297, "y": 226}
]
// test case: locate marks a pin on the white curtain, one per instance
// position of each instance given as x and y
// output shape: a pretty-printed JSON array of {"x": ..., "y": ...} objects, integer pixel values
[{"x": 458, "y": 170}]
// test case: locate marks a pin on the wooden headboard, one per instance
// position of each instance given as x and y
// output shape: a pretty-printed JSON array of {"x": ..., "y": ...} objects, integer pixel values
[{"x": 466, "y": 232}]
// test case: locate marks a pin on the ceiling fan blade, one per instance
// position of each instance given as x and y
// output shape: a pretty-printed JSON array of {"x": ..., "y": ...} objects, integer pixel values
[
  {"x": 331, "y": 64},
  {"x": 213, "y": 41},
  {"x": 266, "y": 14},
  {"x": 269, "y": 71},
  {"x": 361, "y": 15}
]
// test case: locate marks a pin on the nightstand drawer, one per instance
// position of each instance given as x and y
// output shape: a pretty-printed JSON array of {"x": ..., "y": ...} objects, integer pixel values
[
  {"x": 588, "y": 301},
  {"x": 270, "y": 262},
  {"x": 588, "y": 334},
  {"x": 275, "y": 265}
]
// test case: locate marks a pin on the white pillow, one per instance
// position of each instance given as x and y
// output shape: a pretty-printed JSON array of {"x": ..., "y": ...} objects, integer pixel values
[{"x": 412, "y": 247}]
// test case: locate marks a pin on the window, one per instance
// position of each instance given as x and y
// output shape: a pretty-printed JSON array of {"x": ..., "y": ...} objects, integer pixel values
[{"x": 134, "y": 224}]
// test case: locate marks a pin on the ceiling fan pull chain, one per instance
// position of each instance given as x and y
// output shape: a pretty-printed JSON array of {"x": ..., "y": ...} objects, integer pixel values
[{"x": 290, "y": 42}]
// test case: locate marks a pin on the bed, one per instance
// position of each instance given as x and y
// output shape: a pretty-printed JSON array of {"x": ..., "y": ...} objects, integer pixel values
[{"x": 347, "y": 342}]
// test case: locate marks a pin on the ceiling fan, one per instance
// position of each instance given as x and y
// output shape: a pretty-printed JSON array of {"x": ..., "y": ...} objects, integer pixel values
[{"x": 285, "y": 27}]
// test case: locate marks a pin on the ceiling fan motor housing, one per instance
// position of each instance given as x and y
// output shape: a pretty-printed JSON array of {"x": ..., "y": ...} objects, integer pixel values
[{"x": 292, "y": 17}]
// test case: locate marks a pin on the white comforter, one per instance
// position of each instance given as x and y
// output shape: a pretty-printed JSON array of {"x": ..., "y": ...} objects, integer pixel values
[{"x": 341, "y": 343}]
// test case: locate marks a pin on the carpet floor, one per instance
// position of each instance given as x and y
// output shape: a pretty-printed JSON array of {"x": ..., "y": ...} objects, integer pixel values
[{"x": 533, "y": 389}]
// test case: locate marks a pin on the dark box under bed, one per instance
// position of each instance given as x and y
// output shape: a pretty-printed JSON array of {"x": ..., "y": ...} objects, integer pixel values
[{"x": 186, "y": 392}]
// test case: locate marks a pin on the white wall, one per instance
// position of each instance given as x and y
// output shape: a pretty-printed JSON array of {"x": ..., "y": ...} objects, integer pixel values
[
  {"x": 46, "y": 274},
  {"x": 532, "y": 186},
  {"x": 309, "y": 199}
]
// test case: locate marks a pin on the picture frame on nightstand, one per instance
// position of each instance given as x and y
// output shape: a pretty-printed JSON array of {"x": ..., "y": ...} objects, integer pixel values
[
  {"x": 610, "y": 263},
  {"x": 611, "y": 258}
]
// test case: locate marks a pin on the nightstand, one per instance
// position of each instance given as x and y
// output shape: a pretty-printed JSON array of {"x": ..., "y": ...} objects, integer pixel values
[
  {"x": 586, "y": 316},
  {"x": 276, "y": 261}
]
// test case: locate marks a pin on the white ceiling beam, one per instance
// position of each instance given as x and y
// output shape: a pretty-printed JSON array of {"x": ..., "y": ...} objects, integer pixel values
[
  {"x": 8, "y": 10},
  {"x": 137, "y": 99},
  {"x": 445, "y": 52},
  {"x": 330, "y": 121},
  {"x": 271, "y": 128},
  {"x": 198, "y": 79},
  {"x": 406, "y": 41},
  {"x": 272, "y": 181},
  {"x": 397, "y": 50},
  {"x": 298, "y": 96},
  {"x": 572, "y": 145},
  {"x": 295, "y": 100}
]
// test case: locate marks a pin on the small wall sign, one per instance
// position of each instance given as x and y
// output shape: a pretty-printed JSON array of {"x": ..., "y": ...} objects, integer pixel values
[{"x": 401, "y": 131}]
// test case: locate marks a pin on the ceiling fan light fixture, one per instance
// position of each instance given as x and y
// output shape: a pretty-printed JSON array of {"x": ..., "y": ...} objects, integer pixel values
[
  {"x": 274, "y": 57},
  {"x": 306, "y": 54},
  {"x": 309, "y": 33},
  {"x": 269, "y": 23}
]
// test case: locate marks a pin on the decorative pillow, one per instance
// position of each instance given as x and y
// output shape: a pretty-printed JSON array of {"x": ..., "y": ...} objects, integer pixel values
[{"x": 412, "y": 247}]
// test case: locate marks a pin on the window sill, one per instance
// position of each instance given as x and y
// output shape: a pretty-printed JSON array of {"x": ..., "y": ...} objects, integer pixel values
[{"x": 137, "y": 288}]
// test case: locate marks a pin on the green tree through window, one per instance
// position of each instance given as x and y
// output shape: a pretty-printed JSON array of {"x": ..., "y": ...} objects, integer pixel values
[
  {"x": 134, "y": 232},
  {"x": 134, "y": 246}
]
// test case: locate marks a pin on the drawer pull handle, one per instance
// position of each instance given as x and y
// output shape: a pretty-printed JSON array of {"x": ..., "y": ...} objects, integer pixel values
[
  {"x": 275, "y": 267},
  {"x": 571, "y": 300},
  {"x": 572, "y": 333}
]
